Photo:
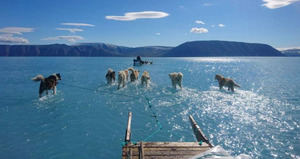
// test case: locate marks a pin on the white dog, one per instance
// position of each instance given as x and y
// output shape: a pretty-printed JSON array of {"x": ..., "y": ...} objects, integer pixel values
[
  {"x": 145, "y": 79},
  {"x": 176, "y": 79},
  {"x": 121, "y": 79},
  {"x": 134, "y": 74}
]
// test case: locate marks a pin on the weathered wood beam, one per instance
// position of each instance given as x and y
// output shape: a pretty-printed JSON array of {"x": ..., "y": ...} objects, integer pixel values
[
  {"x": 141, "y": 151},
  {"x": 128, "y": 130},
  {"x": 198, "y": 132}
]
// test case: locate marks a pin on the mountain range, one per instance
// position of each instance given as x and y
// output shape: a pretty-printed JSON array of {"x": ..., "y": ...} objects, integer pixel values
[
  {"x": 291, "y": 52},
  {"x": 187, "y": 49}
]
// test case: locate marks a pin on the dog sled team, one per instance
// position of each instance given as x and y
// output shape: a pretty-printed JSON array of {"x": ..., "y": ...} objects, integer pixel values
[
  {"x": 176, "y": 78},
  {"x": 127, "y": 75},
  {"x": 123, "y": 77}
]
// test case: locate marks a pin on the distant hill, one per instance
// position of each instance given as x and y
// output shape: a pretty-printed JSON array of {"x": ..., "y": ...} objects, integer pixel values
[
  {"x": 85, "y": 49},
  {"x": 291, "y": 52},
  {"x": 222, "y": 48},
  {"x": 188, "y": 49}
]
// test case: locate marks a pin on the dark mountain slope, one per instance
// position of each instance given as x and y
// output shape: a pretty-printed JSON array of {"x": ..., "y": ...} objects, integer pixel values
[{"x": 222, "y": 48}]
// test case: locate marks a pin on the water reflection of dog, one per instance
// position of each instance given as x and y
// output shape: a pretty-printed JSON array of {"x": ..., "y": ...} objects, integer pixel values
[
  {"x": 226, "y": 82},
  {"x": 48, "y": 83}
]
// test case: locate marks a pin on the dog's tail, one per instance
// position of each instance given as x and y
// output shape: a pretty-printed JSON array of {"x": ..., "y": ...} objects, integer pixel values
[
  {"x": 236, "y": 85},
  {"x": 38, "y": 78},
  {"x": 131, "y": 69}
]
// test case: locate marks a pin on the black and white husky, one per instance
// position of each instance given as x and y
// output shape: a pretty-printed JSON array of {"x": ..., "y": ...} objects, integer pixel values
[{"x": 47, "y": 83}]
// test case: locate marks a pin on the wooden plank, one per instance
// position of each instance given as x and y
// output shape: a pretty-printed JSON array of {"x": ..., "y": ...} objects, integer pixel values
[
  {"x": 167, "y": 153},
  {"x": 163, "y": 157},
  {"x": 166, "y": 149},
  {"x": 198, "y": 132},
  {"x": 171, "y": 149},
  {"x": 141, "y": 151},
  {"x": 171, "y": 144},
  {"x": 128, "y": 130},
  {"x": 127, "y": 152}
]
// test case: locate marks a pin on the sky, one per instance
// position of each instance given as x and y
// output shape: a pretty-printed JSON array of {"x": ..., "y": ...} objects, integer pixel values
[{"x": 136, "y": 23}]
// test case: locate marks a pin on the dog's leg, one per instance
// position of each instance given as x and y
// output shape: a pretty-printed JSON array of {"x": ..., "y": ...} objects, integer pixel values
[
  {"x": 173, "y": 83},
  {"x": 40, "y": 91},
  {"x": 179, "y": 84},
  {"x": 232, "y": 88},
  {"x": 220, "y": 86},
  {"x": 143, "y": 82},
  {"x": 119, "y": 83},
  {"x": 54, "y": 90}
]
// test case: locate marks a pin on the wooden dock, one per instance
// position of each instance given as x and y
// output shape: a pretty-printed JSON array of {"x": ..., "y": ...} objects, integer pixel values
[{"x": 165, "y": 150}]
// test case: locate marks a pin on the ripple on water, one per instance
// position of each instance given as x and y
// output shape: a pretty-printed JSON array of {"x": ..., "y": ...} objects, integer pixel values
[
  {"x": 241, "y": 121},
  {"x": 235, "y": 120},
  {"x": 218, "y": 152}
]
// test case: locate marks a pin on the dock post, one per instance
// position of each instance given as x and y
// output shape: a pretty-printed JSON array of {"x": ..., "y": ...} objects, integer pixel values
[
  {"x": 198, "y": 132},
  {"x": 128, "y": 130}
]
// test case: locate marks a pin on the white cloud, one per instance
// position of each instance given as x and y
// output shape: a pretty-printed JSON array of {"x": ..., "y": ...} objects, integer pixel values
[
  {"x": 273, "y": 4},
  {"x": 221, "y": 25},
  {"x": 67, "y": 38},
  {"x": 72, "y": 30},
  {"x": 78, "y": 24},
  {"x": 138, "y": 15},
  {"x": 16, "y": 30},
  {"x": 207, "y": 4},
  {"x": 199, "y": 30},
  {"x": 157, "y": 33},
  {"x": 199, "y": 22},
  {"x": 11, "y": 39}
]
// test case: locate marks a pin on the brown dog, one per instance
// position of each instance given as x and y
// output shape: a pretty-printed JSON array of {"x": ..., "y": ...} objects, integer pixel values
[
  {"x": 226, "y": 82},
  {"x": 145, "y": 79},
  {"x": 134, "y": 74},
  {"x": 47, "y": 83}
]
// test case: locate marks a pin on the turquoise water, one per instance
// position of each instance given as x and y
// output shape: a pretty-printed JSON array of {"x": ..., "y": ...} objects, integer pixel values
[{"x": 87, "y": 118}]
